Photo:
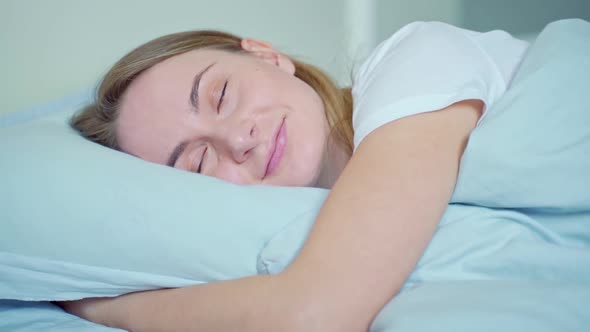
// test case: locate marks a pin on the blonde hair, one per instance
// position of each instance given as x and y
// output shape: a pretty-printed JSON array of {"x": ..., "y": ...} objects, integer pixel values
[{"x": 97, "y": 121}]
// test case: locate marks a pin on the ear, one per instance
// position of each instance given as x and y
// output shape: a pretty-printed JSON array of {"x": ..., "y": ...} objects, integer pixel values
[{"x": 266, "y": 52}]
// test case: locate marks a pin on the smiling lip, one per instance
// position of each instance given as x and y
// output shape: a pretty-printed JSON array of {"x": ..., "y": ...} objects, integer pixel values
[{"x": 276, "y": 151}]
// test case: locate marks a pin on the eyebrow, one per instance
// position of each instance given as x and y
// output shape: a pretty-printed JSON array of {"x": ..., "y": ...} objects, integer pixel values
[{"x": 194, "y": 96}]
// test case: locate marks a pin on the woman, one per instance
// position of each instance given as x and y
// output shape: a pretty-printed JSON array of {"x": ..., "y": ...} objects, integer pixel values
[{"x": 239, "y": 110}]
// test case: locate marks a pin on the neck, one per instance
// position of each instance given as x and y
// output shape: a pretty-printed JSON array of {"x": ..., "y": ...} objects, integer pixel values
[{"x": 336, "y": 158}]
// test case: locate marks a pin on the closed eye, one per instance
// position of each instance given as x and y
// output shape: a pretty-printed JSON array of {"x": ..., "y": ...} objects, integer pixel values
[
  {"x": 221, "y": 97},
  {"x": 199, "y": 168}
]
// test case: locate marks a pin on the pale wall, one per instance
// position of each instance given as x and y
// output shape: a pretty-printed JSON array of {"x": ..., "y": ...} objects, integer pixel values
[{"x": 52, "y": 48}]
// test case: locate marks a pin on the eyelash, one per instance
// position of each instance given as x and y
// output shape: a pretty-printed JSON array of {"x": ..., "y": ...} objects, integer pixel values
[
  {"x": 201, "y": 162},
  {"x": 221, "y": 97}
]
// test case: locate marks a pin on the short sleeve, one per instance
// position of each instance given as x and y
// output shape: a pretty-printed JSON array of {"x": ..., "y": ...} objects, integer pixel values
[{"x": 427, "y": 66}]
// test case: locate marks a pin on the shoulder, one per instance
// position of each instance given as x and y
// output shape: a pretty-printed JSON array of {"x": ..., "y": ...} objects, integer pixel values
[
  {"x": 427, "y": 66},
  {"x": 417, "y": 39},
  {"x": 435, "y": 44}
]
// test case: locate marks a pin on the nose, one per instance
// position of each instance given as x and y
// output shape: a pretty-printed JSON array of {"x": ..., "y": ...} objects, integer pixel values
[{"x": 237, "y": 138}]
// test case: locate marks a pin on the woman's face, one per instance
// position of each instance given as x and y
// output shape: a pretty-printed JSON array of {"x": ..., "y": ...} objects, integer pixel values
[{"x": 243, "y": 118}]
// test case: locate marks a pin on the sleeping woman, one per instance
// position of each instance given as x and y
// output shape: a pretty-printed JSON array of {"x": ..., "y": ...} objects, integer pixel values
[{"x": 239, "y": 110}]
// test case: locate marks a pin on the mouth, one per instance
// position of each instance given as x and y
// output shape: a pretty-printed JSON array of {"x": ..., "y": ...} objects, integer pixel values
[{"x": 277, "y": 149}]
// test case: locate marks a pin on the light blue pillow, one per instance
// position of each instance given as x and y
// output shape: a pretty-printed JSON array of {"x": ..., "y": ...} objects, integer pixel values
[
  {"x": 71, "y": 207},
  {"x": 532, "y": 150}
]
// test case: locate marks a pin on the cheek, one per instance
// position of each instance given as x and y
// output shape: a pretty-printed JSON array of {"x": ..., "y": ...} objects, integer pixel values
[{"x": 307, "y": 154}]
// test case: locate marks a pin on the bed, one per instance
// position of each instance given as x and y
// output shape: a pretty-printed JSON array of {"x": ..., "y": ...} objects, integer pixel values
[{"x": 511, "y": 253}]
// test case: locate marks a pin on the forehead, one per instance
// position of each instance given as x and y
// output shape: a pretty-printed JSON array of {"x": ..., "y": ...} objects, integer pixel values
[
  {"x": 161, "y": 85},
  {"x": 177, "y": 67}
]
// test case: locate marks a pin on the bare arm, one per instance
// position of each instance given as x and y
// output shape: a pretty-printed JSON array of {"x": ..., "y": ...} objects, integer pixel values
[{"x": 368, "y": 236}]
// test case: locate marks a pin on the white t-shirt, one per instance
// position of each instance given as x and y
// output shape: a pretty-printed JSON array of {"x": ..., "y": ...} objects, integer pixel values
[{"x": 427, "y": 66}]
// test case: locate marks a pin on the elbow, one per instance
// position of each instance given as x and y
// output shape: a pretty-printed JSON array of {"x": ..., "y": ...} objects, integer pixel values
[
  {"x": 319, "y": 316},
  {"x": 303, "y": 307}
]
